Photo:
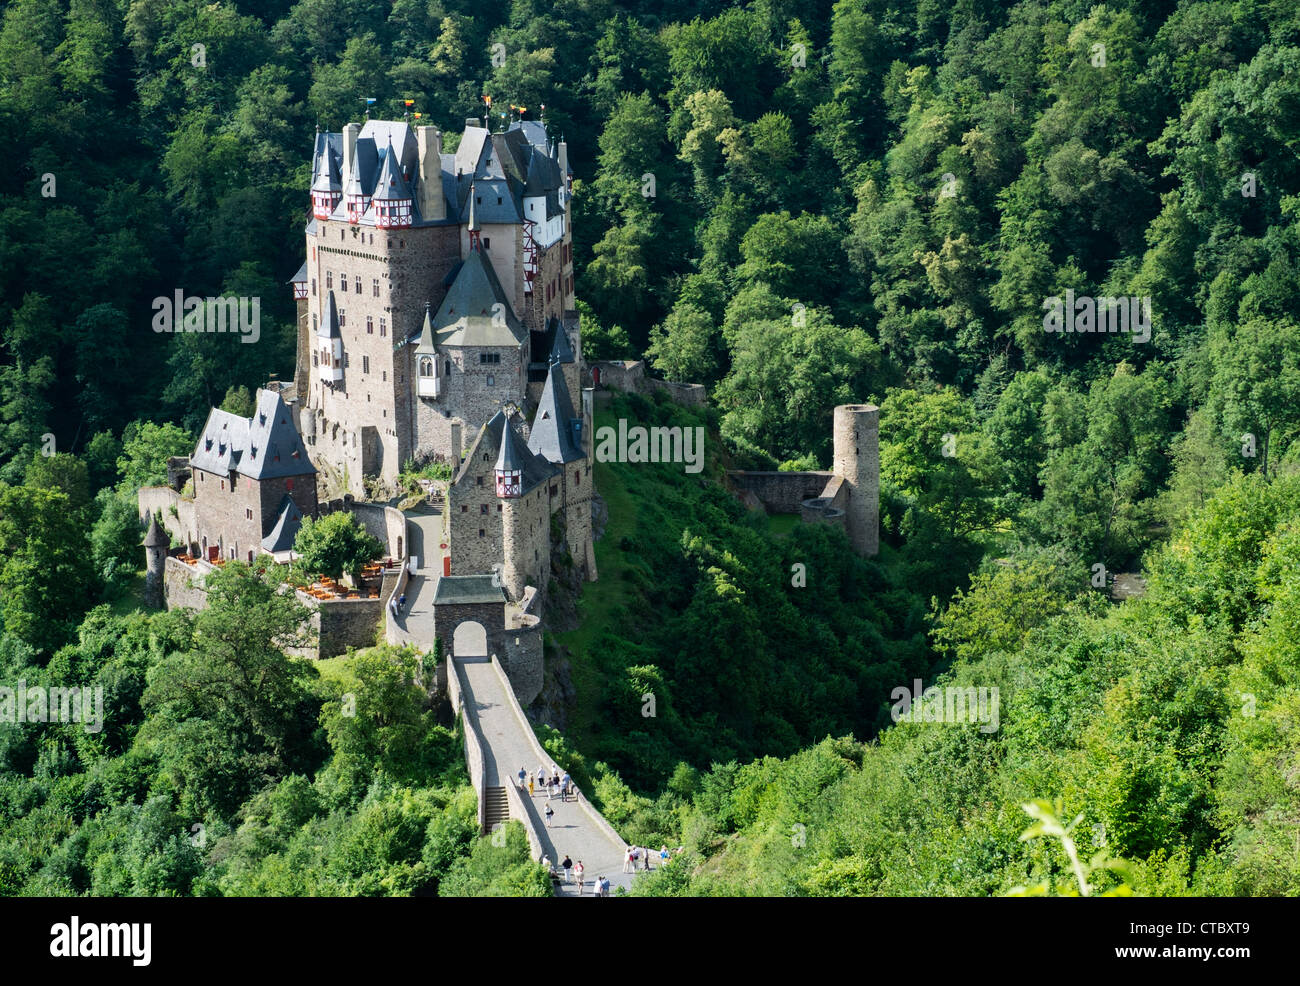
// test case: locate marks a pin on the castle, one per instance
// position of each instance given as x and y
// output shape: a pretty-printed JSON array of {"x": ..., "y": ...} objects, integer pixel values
[
  {"x": 435, "y": 318},
  {"x": 437, "y": 290}
]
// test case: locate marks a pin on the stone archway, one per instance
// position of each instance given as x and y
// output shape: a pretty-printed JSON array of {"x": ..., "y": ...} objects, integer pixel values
[{"x": 469, "y": 639}]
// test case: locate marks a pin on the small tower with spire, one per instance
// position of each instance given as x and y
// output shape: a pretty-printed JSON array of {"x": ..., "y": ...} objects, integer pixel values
[
  {"x": 326, "y": 188},
  {"x": 427, "y": 375},
  {"x": 156, "y": 544},
  {"x": 509, "y": 468},
  {"x": 393, "y": 200}
]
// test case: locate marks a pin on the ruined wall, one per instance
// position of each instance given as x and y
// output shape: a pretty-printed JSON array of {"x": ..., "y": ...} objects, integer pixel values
[
  {"x": 781, "y": 492},
  {"x": 630, "y": 376}
]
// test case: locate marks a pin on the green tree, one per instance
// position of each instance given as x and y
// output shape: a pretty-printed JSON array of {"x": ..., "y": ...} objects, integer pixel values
[{"x": 335, "y": 544}]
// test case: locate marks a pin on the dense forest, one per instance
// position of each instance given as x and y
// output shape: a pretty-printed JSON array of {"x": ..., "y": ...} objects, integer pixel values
[{"x": 798, "y": 205}]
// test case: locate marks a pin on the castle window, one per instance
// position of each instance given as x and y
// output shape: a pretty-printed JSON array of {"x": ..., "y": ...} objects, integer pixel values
[
  {"x": 385, "y": 375},
  {"x": 426, "y": 366},
  {"x": 343, "y": 283},
  {"x": 383, "y": 326},
  {"x": 313, "y": 323},
  {"x": 486, "y": 358},
  {"x": 343, "y": 318},
  {"x": 370, "y": 325},
  {"x": 248, "y": 513},
  {"x": 491, "y": 380},
  {"x": 464, "y": 508},
  {"x": 374, "y": 286},
  {"x": 313, "y": 287},
  {"x": 329, "y": 280},
  {"x": 478, "y": 199},
  {"x": 356, "y": 282},
  {"x": 481, "y": 532},
  {"x": 498, "y": 200},
  {"x": 478, "y": 480},
  {"x": 498, "y": 508},
  {"x": 554, "y": 489},
  {"x": 482, "y": 508},
  {"x": 365, "y": 364},
  {"x": 487, "y": 240}
]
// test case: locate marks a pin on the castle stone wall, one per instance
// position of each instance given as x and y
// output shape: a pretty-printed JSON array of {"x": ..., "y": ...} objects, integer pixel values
[
  {"x": 630, "y": 377},
  {"x": 781, "y": 492},
  {"x": 183, "y": 526}
]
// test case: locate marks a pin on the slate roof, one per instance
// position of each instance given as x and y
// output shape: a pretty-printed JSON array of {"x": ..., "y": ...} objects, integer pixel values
[
  {"x": 465, "y": 589},
  {"x": 265, "y": 446},
  {"x": 465, "y": 317},
  {"x": 287, "y": 523},
  {"x": 154, "y": 537},
  {"x": 533, "y": 469},
  {"x": 300, "y": 277},
  {"x": 552, "y": 436},
  {"x": 329, "y": 323},
  {"x": 561, "y": 348},
  {"x": 391, "y": 184}
]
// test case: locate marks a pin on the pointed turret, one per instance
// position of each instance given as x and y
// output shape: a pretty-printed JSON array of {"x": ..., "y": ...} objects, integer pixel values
[
  {"x": 156, "y": 543},
  {"x": 427, "y": 375},
  {"x": 510, "y": 465},
  {"x": 354, "y": 196},
  {"x": 392, "y": 200},
  {"x": 557, "y": 430},
  {"x": 329, "y": 342},
  {"x": 326, "y": 188}
]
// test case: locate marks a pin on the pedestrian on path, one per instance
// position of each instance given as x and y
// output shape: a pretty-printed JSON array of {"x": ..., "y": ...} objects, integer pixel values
[
  {"x": 541, "y": 776},
  {"x": 598, "y": 886},
  {"x": 401, "y": 602},
  {"x": 568, "y": 867},
  {"x": 522, "y": 774},
  {"x": 604, "y": 886},
  {"x": 550, "y": 813},
  {"x": 530, "y": 785},
  {"x": 627, "y": 860},
  {"x": 663, "y": 856},
  {"x": 578, "y": 870},
  {"x": 564, "y": 786}
]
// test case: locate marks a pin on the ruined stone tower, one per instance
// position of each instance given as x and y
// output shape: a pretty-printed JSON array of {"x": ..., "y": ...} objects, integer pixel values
[{"x": 857, "y": 458}]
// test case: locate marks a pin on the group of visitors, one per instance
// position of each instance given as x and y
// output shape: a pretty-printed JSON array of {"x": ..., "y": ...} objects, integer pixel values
[
  {"x": 641, "y": 855},
  {"x": 557, "y": 785},
  {"x": 576, "y": 873}
]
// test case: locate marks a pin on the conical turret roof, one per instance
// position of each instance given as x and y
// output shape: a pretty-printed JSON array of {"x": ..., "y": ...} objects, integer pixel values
[
  {"x": 391, "y": 184},
  {"x": 155, "y": 537}
]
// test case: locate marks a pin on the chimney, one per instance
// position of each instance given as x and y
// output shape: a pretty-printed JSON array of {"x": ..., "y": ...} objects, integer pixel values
[
  {"x": 432, "y": 203},
  {"x": 350, "y": 134}
]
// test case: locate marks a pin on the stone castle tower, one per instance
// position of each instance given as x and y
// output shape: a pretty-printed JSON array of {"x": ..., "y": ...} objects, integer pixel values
[
  {"x": 856, "y": 440},
  {"x": 156, "y": 544},
  {"x": 436, "y": 289}
]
